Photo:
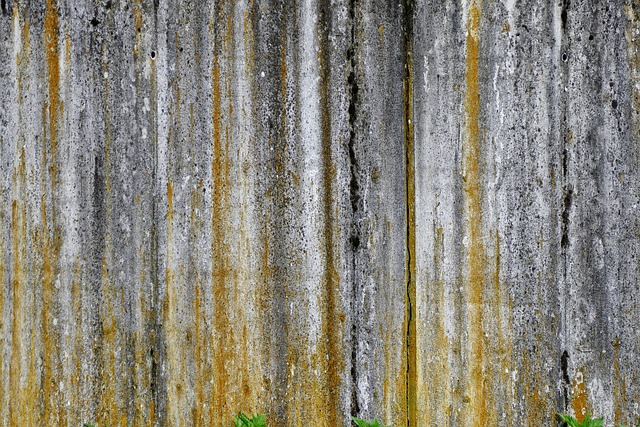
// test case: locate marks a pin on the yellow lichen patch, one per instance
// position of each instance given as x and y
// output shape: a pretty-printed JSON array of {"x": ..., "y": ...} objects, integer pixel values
[
  {"x": 579, "y": 401},
  {"x": 477, "y": 414}
]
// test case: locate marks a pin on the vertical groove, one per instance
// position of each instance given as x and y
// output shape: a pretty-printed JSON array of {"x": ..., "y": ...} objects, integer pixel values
[{"x": 411, "y": 380}]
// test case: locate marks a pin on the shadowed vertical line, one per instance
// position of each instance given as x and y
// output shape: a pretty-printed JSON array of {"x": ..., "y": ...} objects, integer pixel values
[{"x": 409, "y": 147}]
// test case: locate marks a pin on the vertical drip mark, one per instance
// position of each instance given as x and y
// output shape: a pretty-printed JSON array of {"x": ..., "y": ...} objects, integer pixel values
[
  {"x": 475, "y": 251},
  {"x": 108, "y": 412},
  {"x": 169, "y": 311},
  {"x": 331, "y": 347},
  {"x": 437, "y": 402},
  {"x": 76, "y": 352},
  {"x": 157, "y": 337},
  {"x": 619, "y": 384},
  {"x": 17, "y": 396},
  {"x": 409, "y": 148},
  {"x": 52, "y": 404},
  {"x": 223, "y": 339},
  {"x": 330, "y": 322}
]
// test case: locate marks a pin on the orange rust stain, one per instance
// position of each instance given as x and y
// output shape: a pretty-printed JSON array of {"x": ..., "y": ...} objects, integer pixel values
[
  {"x": 53, "y": 76},
  {"x": 202, "y": 371},
  {"x": 169, "y": 208},
  {"x": 579, "y": 401},
  {"x": 619, "y": 385},
  {"x": 15, "y": 367},
  {"x": 176, "y": 340},
  {"x": 198, "y": 415},
  {"x": 439, "y": 387},
  {"x": 246, "y": 389},
  {"x": 21, "y": 400},
  {"x": 328, "y": 397},
  {"x": 108, "y": 409},
  {"x": 67, "y": 48},
  {"x": 537, "y": 406},
  {"x": 76, "y": 352},
  {"x": 504, "y": 350},
  {"x": 223, "y": 338},
  {"x": 137, "y": 16},
  {"x": 475, "y": 257},
  {"x": 169, "y": 312}
]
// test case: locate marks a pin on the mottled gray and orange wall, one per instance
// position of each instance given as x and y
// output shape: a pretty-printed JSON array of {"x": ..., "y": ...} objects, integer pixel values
[{"x": 420, "y": 210}]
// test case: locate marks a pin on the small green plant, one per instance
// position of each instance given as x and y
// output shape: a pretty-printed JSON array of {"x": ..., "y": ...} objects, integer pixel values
[
  {"x": 257, "y": 420},
  {"x": 587, "y": 422},
  {"x": 363, "y": 423}
]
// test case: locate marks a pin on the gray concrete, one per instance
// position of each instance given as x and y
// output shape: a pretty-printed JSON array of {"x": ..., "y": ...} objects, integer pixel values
[{"x": 424, "y": 211}]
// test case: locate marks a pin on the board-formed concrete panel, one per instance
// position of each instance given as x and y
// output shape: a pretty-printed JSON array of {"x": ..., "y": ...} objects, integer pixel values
[{"x": 424, "y": 211}]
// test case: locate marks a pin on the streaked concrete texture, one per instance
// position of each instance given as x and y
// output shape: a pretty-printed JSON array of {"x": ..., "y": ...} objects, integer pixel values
[{"x": 420, "y": 210}]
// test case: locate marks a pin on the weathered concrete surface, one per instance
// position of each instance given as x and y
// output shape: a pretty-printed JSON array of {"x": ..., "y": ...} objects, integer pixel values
[{"x": 424, "y": 211}]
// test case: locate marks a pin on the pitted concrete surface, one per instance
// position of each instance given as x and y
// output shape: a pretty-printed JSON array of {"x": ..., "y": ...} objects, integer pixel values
[{"x": 424, "y": 211}]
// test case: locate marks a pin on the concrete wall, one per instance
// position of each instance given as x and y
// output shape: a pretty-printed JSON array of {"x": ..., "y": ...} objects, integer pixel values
[{"x": 420, "y": 210}]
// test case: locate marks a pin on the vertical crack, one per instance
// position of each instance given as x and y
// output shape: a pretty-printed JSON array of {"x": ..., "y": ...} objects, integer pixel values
[
  {"x": 564, "y": 365},
  {"x": 411, "y": 374},
  {"x": 566, "y": 199},
  {"x": 354, "y": 196}
]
